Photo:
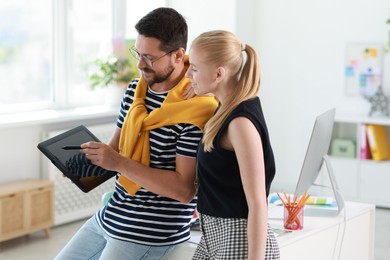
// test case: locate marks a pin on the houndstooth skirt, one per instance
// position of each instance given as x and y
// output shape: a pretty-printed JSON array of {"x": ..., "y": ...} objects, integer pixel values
[{"x": 226, "y": 238}]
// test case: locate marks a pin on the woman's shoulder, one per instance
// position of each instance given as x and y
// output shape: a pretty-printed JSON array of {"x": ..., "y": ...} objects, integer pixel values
[{"x": 249, "y": 106}]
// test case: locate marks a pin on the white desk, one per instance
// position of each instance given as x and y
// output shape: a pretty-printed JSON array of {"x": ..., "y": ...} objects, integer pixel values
[{"x": 321, "y": 238}]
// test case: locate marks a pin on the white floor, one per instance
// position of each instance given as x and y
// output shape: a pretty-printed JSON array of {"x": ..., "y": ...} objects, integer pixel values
[{"x": 37, "y": 247}]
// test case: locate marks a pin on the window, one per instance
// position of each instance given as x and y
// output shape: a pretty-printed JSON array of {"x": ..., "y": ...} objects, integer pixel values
[
  {"x": 90, "y": 33},
  {"x": 46, "y": 46},
  {"x": 26, "y": 61}
]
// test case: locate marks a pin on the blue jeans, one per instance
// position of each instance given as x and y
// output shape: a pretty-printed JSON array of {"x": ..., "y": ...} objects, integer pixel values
[{"x": 91, "y": 242}]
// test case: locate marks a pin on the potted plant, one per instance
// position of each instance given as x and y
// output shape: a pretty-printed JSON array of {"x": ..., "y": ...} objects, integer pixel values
[
  {"x": 388, "y": 40},
  {"x": 118, "y": 68}
]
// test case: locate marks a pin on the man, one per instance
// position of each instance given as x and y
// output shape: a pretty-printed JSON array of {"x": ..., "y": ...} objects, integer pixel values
[{"x": 153, "y": 150}]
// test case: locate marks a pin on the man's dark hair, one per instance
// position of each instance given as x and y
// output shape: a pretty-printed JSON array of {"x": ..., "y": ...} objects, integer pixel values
[{"x": 166, "y": 25}]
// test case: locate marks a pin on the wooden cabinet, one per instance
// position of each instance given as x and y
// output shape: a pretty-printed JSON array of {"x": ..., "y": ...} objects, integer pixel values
[
  {"x": 26, "y": 206},
  {"x": 363, "y": 180}
]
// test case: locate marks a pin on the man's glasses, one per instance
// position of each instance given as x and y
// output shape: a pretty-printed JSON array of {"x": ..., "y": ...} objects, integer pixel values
[{"x": 147, "y": 60}]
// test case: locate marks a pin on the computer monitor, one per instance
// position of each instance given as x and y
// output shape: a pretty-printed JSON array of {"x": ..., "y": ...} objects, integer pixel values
[{"x": 316, "y": 155}]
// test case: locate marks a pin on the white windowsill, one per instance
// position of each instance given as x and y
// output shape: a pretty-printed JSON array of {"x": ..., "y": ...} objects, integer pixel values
[{"x": 50, "y": 116}]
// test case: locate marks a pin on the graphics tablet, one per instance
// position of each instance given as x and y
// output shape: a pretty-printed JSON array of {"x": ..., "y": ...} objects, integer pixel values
[{"x": 63, "y": 151}]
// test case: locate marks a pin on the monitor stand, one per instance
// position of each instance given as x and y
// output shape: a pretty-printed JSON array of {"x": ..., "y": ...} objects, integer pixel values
[{"x": 324, "y": 210}]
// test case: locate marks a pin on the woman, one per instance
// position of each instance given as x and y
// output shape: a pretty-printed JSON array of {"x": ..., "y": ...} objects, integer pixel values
[{"x": 235, "y": 159}]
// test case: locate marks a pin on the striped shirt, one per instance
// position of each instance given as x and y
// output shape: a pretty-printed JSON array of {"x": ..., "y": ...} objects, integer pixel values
[{"x": 147, "y": 218}]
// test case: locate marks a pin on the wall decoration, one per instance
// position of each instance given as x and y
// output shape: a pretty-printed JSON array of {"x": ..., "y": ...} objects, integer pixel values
[
  {"x": 363, "y": 69},
  {"x": 379, "y": 102}
]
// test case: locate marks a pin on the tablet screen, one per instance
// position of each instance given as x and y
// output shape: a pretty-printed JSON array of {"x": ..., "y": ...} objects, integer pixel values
[{"x": 64, "y": 152}]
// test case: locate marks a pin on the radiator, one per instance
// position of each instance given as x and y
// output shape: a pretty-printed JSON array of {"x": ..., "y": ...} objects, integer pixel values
[{"x": 70, "y": 202}]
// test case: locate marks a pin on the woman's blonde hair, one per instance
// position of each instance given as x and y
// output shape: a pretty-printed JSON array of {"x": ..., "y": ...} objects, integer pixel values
[{"x": 223, "y": 49}]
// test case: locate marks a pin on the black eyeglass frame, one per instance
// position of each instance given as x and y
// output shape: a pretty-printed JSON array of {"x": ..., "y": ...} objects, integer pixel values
[{"x": 148, "y": 61}]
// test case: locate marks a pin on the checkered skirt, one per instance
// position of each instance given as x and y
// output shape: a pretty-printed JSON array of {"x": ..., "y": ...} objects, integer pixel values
[{"x": 226, "y": 238}]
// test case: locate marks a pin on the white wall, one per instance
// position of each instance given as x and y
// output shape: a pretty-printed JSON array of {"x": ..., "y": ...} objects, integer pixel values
[
  {"x": 206, "y": 15},
  {"x": 301, "y": 45}
]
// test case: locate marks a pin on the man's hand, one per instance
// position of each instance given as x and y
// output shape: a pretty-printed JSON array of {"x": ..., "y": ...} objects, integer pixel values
[{"x": 102, "y": 155}]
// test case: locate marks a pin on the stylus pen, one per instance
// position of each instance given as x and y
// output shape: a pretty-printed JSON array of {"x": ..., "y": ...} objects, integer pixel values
[{"x": 71, "y": 147}]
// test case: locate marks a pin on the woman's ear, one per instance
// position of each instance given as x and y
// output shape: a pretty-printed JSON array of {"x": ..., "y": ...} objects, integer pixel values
[{"x": 221, "y": 73}]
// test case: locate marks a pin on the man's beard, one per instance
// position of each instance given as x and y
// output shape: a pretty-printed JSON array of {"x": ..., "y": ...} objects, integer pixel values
[{"x": 161, "y": 77}]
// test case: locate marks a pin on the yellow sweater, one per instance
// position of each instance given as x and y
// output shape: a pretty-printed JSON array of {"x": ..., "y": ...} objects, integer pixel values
[{"x": 134, "y": 139}]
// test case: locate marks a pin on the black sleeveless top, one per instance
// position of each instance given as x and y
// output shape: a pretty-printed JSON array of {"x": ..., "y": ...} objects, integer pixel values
[{"x": 220, "y": 191}]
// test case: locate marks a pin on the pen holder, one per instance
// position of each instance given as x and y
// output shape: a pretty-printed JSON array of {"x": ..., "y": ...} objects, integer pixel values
[{"x": 293, "y": 217}]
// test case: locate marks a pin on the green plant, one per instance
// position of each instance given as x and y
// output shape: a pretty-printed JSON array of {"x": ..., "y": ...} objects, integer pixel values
[
  {"x": 118, "y": 68},
  {"x": 388, "y": 40},
  {"x": 111, "y": 70}
]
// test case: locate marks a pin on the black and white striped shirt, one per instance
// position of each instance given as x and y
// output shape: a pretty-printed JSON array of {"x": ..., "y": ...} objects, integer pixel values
[{"x": 147, "y": 218}]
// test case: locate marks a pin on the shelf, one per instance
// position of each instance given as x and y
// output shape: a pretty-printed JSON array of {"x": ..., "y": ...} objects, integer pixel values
[
  {"x": 362, "y": 180},
  {"x": 357, "y": 118},
  {"x": 55, "y": 116}
]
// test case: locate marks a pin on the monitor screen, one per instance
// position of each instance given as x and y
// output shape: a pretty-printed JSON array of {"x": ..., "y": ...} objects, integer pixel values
[{"x": 316, "y": 151}]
